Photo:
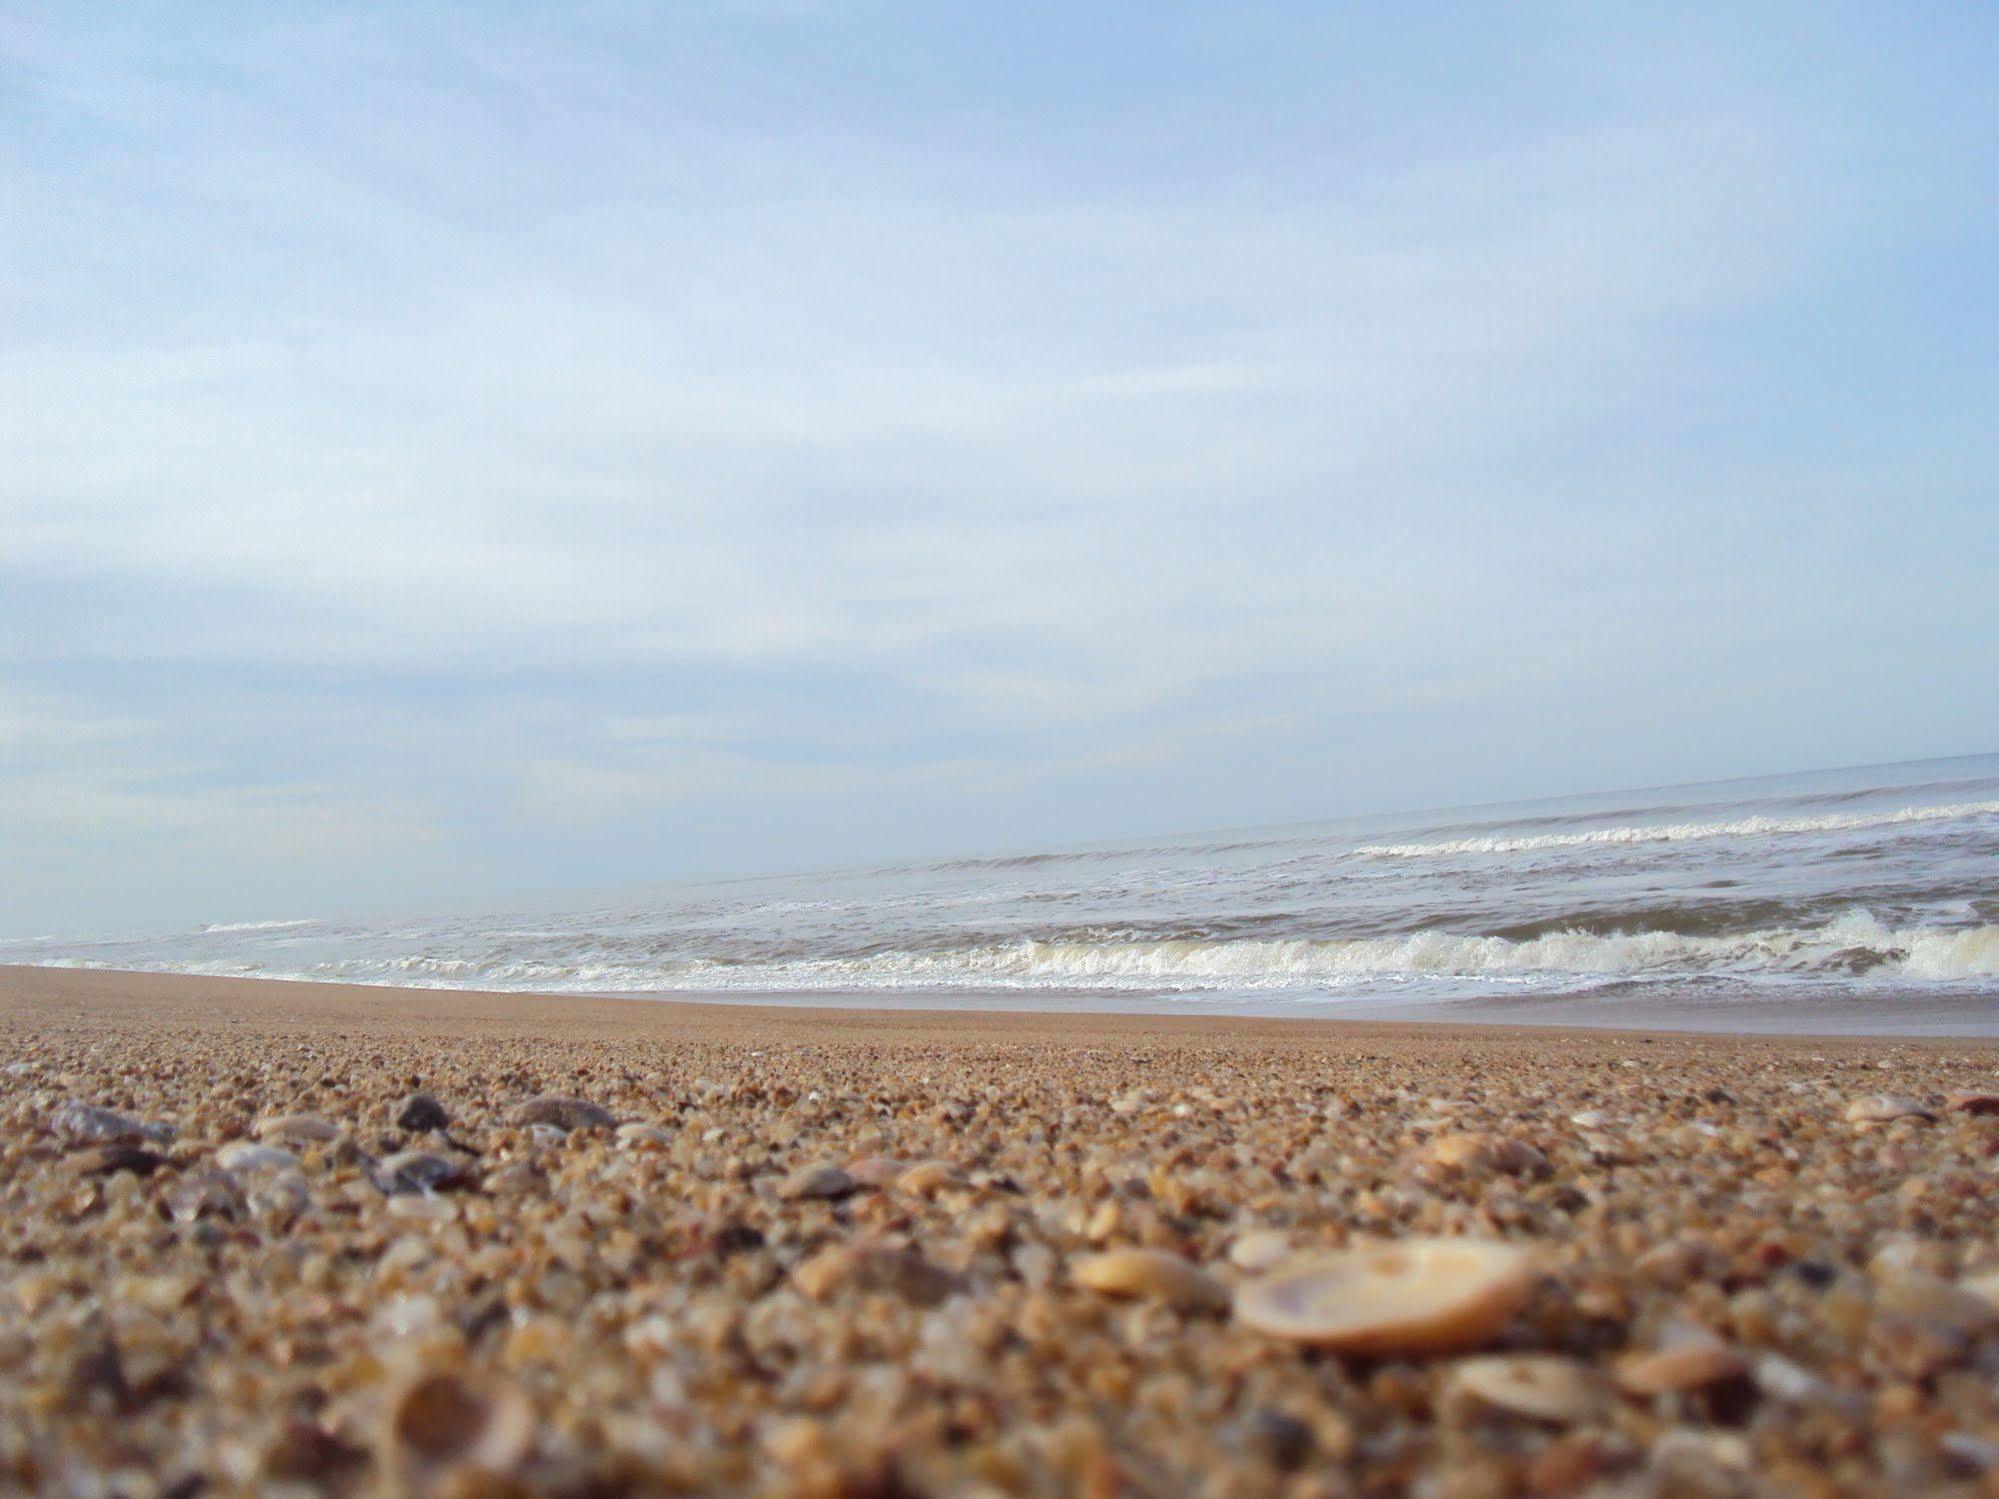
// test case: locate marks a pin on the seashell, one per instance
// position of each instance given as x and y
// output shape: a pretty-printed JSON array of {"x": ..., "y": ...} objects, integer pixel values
[
  {"x": 443, "y": 1422},
  {"x": 1260, "y": 1249},
  {"x": 891, "y": 1268},
  {"x": 818, "y": 1181},
  {"x": 928, "y": 1178},
  {"x": 87, "y": 1124},
  {"x": 1880, "y": 1108},
  {"x": 1691, "y": 1365},
  {"x": 243, "y": 1155},
  {"x": 1973, "y": 1103},
  {"x": 1415, "y": 1296},
  {"x": 1537, "y": 1387},
  {"x": 420, "y": 1112},
  {"x": 1154, "y": 1275},
  {"x": 1589, "y": 1119},
  {"x": 419, "y": 1171},
  {"x": 634, "y": 1136},
  {"x": 297, "y": 1129},
  {"x": 876, "y": 1170},
  {"x": 563, "y": 1113}
]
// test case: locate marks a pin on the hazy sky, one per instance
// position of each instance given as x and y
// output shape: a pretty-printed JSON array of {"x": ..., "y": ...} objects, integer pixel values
[{"x": 463, "y": 449}]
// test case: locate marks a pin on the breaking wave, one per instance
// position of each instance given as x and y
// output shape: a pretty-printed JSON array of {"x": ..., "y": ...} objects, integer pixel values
[{"x": 1680, "y": 832}]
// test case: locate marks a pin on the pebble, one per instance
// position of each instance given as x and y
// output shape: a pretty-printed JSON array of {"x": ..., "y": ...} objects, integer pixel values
[
  {"x": 419, "y": 1171},
  {"x": 84, "y": 1123},
  {"x": 1260, "y": 1249},
  {"x": 928, "y": 1178},
  {"x": 103, "y": 1160},
  {"x": 1476, "y": 1151},
  {"x": 649, "y": 1136},
  {"x": 563, "y": 1113},
  {"x": 206, "y": 1193},
  {"x": 1154, "y": 1275},
  {"x": 1416, "y": 1296},
  {"x": 876, "y": 1171},
  {"x": 297, "y": 1129},
  {"x": 818, "y": 1181},
  {"x": 245, "y": 1155},
  {"x": 420, "y": 1112}
]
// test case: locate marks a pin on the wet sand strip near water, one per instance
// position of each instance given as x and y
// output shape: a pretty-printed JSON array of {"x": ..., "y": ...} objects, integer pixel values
[{"x": 331, "y": 1239}]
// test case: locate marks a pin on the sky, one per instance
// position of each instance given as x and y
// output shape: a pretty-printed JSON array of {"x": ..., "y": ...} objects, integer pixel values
[{"x": 461, "y": 450}]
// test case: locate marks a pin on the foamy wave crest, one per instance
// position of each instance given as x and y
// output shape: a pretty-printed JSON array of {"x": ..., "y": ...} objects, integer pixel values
[
  {"x": 1747, "y": 827},
  {"x": 213, "y": 927},
  {"x": 1854, "y": 944}
]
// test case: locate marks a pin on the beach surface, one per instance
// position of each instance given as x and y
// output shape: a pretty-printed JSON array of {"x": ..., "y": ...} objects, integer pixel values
[{"x": 267, "y": 1237}]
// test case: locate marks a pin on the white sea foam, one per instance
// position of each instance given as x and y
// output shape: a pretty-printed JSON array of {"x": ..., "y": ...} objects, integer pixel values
[
  {"x": 252, "y": 926},
  {"x": 1678, "y": 832}
]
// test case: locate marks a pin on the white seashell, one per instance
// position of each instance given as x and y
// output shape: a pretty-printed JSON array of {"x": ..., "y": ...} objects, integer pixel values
[
  {"x": 1153, "y": 1274},
  {"x": 1415, "y": 1296}
]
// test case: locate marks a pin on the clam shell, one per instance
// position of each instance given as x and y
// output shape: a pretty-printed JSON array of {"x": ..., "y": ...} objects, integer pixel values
[
  {"x": 1153, "y": 1274},
  {"x": 1538, "y": 1387},
  {"x": 1413, "y": 1296},
  {"x": 1880, "y": 1108}
]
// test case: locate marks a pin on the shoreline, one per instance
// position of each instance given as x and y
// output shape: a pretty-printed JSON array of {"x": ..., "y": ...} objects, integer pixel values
[{"x": 1909, "y": 1016}]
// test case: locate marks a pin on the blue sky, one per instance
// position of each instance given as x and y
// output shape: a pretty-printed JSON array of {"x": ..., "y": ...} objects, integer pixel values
[{"x": 456, "y": 450}]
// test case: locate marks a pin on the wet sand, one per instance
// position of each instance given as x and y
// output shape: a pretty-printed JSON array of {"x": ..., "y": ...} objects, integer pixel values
[{"x": 722, "y": 1249}]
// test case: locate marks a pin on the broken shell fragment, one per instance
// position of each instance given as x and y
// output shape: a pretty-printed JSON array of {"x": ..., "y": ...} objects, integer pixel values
[
  {"x": 643, "y": 1136},
  {"x": 443, "y": 1422},
  {"x": 1881, "y": 1108},
  {"x": 1415, "y": 1296},
  {"x": 1260, "y": 1249},
  {"x": 818, "y": 1181},
  {"x": 1537, "y": 1387},
  {"x": 1690, "y": 1365},
  {"x": 1154, "y": 1275},
  {"x": 928, "y": 1178},
  {"x": 1974, "y": 1103}
]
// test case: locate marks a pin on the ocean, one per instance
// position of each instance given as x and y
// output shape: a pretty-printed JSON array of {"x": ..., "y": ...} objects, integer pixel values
[{"x": 1806, "y": 896}]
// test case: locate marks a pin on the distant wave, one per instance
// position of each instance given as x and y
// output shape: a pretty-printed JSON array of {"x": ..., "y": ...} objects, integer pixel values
[
  {"x": 252, "y": 926},
  {"x": 1856, "y": 945},
  {"x": 1746, "y": 827}
]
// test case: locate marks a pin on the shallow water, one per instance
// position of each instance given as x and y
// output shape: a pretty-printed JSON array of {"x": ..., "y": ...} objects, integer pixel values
[{"x": 1817, "y": 892}]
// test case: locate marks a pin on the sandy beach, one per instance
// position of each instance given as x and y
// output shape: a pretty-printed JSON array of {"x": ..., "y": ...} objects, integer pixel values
[{"x": 270, "y": 1237}]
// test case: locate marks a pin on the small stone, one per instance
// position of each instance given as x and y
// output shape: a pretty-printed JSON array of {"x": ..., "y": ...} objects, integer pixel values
[
  {"x": 1882, "y": 1108},
  {"x": 1260, "y": 1249},
  {"x": 895, "y": 1269},
  {"x": 928, "y": 1178},
  {"x": 297, "y": 1129},
  {"x": 420, "y": 1112},
  {"x": 563, "y": 1113},
  {"x": 1154, "y": 1275},
  {"x": 105, "y": 1160},
  {"x": 1283, "y": 1441},
  {"x": 1537, "y": 1387},
  {"x": 1481, "y": 1152},
  {"x": 245, "y": 1155},
  {"x": 643, "y": 1137},
  {"x": 1934, "y": 1300},
  {"x": 419, "y": 1171},
  {"x": 207, "y": 1193},
  {"x": 86, "y": 1124},
  {"x": 818, "y": 1181},
  {"x": 1412, "y": 1297},
  {"x": 876, "y": 1171}
]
